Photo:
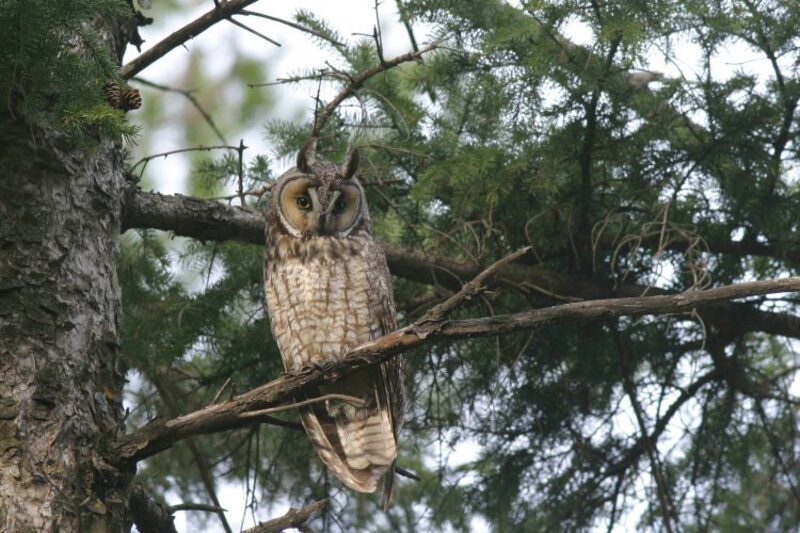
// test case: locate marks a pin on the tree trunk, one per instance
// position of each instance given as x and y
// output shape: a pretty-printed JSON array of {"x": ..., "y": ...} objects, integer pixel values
[{"x": 61, "y": 375}]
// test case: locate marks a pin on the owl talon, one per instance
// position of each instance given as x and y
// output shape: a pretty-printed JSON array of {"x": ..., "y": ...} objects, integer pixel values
[{"x": 313, "y": 366}]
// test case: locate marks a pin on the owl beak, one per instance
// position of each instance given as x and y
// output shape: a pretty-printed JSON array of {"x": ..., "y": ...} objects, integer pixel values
[
  {"x": 325, "y": 219},
  {"x": 326, "y": 228},
  {"x": 318, "y": 225},
  {"x": 313, "y": 226},
  {"x": 318, "y": 218}
]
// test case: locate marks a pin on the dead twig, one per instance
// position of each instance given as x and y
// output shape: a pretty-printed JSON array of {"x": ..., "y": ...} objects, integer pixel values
[
  {"x": 259, "y": 192},
  {"x": 470, "y": 289},
  {"x": 221, "y": 11},
  {"x": 251, "y": 30},
  {"x": 291, "y": 24},
  {"x": 143, "y": 161},
  {"x": 294, "y": 518},
  {"x": 208, "y": 508},
  {"x": 341, "y": 397},
  {"x": 240, "y": 181}
]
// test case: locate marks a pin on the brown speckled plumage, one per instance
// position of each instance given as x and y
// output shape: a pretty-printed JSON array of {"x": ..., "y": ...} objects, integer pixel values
[{"x": 328, "y": 290}]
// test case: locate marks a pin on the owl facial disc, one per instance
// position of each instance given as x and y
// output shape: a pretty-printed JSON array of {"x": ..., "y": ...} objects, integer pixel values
[{"x": 311, "y": 207}]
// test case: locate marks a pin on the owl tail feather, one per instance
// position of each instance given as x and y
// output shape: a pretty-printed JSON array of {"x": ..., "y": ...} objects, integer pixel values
[
  {"x": 388, "y": 487},
  {"x": 360, "y": 471}
]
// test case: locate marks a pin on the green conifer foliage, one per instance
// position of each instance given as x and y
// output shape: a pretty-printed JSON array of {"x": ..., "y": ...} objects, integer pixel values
[
  {"x": 508, "y": 135},
  {"x": 51, "y": 61}
]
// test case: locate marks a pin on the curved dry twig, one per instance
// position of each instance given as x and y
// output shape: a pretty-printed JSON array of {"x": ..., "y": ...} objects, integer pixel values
[
  {"x": 201, "y": 148},
  {"x": 322, "y": 116}
]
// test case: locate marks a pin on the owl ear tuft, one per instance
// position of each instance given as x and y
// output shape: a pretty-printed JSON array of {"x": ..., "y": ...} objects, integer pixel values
[
  {"x": 307, "y": 155},
  {"x": 350, "y": 164}
]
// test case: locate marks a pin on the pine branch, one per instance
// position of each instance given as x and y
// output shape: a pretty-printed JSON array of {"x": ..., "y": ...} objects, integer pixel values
[
  {"x": 355, "y": 83},
  {"x": 221, "y": 11},
  {"x": 207, "y": 220},
  {"x": 160, "y": 434}
]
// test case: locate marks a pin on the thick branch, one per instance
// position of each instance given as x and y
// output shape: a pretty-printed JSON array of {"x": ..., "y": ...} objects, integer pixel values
[
  {"x": 221, "y": 11},
  {"x": 160, "y": 434},
  {"x": 149, "y": 515},
  {"x": 191, "y": 217},
  {"x": 208, "y": 220}
]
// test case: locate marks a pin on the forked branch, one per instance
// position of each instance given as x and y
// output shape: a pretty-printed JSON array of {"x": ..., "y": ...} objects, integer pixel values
[{"x": 221, "y": 11}]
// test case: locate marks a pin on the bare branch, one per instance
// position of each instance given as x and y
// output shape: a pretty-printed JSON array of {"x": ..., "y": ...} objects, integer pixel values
[
  {"x": 258, "y": 192},
  {"x": 254, "y": 32},
  {"x": 240, "y": 173},
  {"x": 159, "y": 434},
  {"x": 202, "y": 148},
  {"x": 294, "y": 518},
  {"x": 650, "y": 445},
  {"x": 400, "y": 471},
  {"x": 168, "y": 391},
  {"x": 221, "y": 11},
  {"x": 196, "y": 507},
  {"x": 439, "y": 312},
  {"x": 776, "y": 450},
  {"x": 358, "y": 402},
  {"x": 222, "y": 389},
  {"x": 291, "y": 24}
]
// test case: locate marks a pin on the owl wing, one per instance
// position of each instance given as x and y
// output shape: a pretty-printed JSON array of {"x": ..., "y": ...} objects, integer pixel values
[
  {"x": 392, "y": 393},
  {"x": 359, "y": 444}
]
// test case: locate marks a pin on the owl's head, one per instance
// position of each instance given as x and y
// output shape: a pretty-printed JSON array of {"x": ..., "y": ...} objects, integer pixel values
[{"x": 319, "y": 198}]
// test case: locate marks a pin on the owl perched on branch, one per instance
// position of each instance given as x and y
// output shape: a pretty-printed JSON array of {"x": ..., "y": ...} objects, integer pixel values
[{"x": 328, "y": 290}]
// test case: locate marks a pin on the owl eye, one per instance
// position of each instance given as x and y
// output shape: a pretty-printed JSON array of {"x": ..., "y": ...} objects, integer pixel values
[
  {"x": 304, "y": 202},
  {"x": 339, "y": 206}
]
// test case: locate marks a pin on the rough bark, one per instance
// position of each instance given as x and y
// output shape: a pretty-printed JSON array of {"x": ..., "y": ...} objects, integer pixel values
[
  {"x": 61, "y": 376},
  {"x": 148, "y": 515}
]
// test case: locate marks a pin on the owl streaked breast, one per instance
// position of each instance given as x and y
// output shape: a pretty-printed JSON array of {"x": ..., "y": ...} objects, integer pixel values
[{"x": 328, "y": 290}]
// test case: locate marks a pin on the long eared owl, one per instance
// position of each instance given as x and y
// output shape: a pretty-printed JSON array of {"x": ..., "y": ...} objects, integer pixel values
[{"x": 328, "y": 290}]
